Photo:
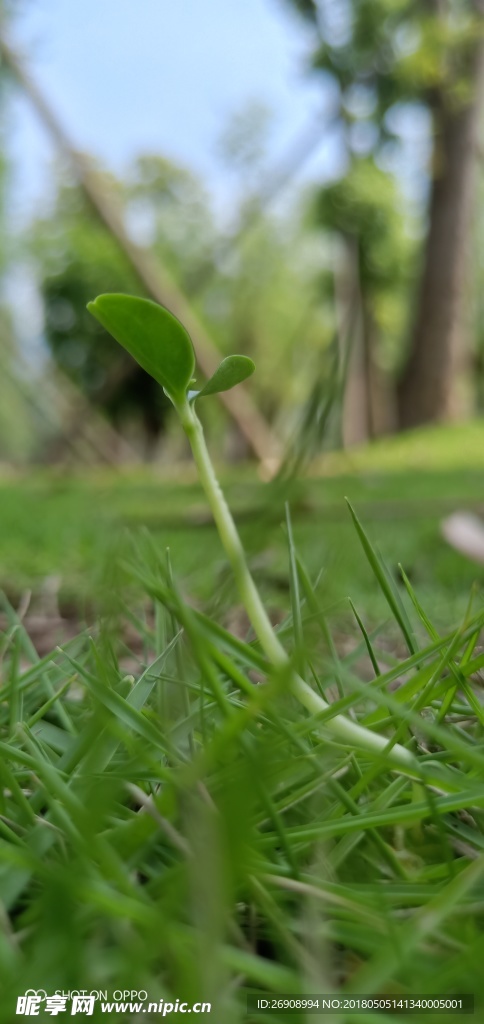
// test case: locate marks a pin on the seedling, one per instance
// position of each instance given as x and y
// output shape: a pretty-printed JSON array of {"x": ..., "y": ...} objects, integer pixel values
[{"x": 162, "y": 346}]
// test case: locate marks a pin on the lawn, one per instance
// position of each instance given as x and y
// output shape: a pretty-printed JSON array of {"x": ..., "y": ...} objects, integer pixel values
[
  {"x": 60, "y": 525},
  {"x": 183, "y": 816}
]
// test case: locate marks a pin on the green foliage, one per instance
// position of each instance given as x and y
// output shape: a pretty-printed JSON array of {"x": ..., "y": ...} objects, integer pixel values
[
  {"x": 365, "y": 207},
  {"x": 394, "y": 51},
  {"x": 232, "y": 370},
  {"x": 155, "y": 338}
]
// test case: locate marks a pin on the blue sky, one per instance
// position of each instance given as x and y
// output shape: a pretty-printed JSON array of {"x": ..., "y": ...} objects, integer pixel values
[{"x": 127, "y": 76}]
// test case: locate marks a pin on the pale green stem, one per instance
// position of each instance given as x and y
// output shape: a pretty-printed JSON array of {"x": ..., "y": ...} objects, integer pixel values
[{"x": 349, "y": 732}]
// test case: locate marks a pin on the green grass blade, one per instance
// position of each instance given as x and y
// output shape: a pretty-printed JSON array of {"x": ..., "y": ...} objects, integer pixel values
[{"x": 385, "y": 582}]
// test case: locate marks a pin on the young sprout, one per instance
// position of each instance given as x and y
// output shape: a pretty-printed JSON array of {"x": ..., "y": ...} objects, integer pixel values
[{"x": 162, "y": 346}]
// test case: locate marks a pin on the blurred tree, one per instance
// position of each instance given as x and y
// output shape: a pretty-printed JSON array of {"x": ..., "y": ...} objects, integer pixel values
[
  {"x": 435, "y": 383},
  {"x": 384, "y": 56},
  {"x": 363, "y": 207}
]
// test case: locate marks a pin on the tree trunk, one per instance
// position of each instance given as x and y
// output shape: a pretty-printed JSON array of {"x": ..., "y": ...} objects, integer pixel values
[
  {"x": 433, "y": 384},
  {"x": 367, "y": 407}
]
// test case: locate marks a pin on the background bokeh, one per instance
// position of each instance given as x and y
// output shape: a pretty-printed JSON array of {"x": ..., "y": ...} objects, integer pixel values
[{"x": 300, "y": 179}]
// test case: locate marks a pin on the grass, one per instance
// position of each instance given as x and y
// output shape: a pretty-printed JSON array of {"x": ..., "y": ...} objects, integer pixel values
[
  {"x": 166, "y": 824},
  {"x": 53, "y": 524}
]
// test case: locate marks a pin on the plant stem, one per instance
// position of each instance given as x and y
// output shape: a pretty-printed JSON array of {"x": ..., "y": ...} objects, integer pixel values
[{"x": 349, "y": 732}]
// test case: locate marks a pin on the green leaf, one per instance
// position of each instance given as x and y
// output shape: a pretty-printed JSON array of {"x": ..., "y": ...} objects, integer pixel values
[
  {"x": 152, "y": 335},
  {"x": 232, "y": 370}
]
